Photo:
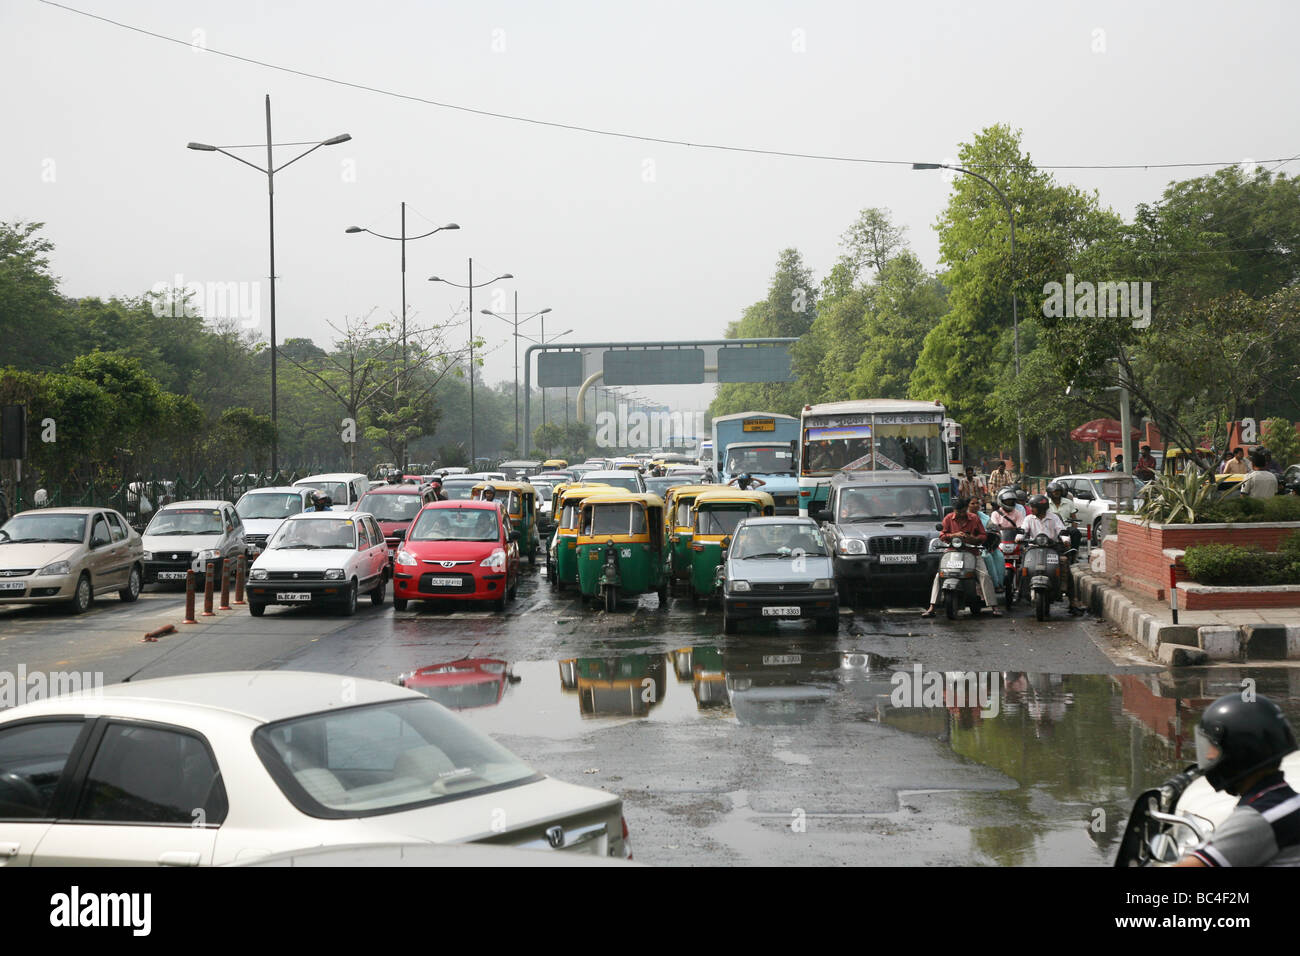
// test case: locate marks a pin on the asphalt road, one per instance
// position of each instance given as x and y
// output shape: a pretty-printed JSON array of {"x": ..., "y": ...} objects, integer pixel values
[{"x": 773, "y": 746}]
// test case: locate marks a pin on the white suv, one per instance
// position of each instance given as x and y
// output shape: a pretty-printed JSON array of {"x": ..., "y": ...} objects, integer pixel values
[
  {"x": 321, "y": 558},
  {"x": 1097, "y": 494}
]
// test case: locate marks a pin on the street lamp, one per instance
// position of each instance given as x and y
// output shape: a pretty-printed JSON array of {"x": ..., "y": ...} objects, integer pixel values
[
  {"x": 1015, "y": 318},
  {"x": 471, "y": 287},
  {"x": 515, "y": 322},
  {"x": 403, "y": 239},
  {"x": 270, "y": 170}
]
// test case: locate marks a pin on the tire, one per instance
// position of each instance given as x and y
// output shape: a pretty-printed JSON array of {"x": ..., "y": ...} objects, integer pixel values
[
  {"x": 550, "y": 573},
  {"x": 83, "y": 597},
  {"x": 1009, "y": 591},
  {"x": 663, "y": 597},
  {"x": 560, "y": 585},
  {"x": 729, "y": 624},
  {"x": 1042, "y": 610},
  {"x": 399, "y": 604},
  {"x": 532, "y": 558},
  {"x": 499, "y": 605},
  {"x": 1096, "y": 534},
  {"x": 133, "y": 585},
  {"x": 513, "y": 591},
  {"x": 350, "y": 602},
  {"x": 377, "y": 595},
  {"x": 952, "y": 604},
  {"x": 256, "y": 608},
  {"x": 611, "y": 599}
]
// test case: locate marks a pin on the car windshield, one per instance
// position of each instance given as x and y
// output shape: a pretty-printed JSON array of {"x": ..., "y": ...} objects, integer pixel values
[
  {"x": 390, "y": 507},
  {"x": 316, "y": 534},
  {"x": 778, "y": 541},
  {"x": 627, "y": 481},
  {"x": 455, "y": 524},
  {"x": 760, "y": 459},
  {"x": 458, "y": 490},
  {"x": 657, "y": 486},
  {"x": 335, "y": 491},
  {"x": 380, "y": 758},
  {"x": 543, "y": 490},
  {"x": 614, "y": 518},
  {"x": 47, "y": 527},
  {"x": 178, "y": 521},
  {"x": 887, "y": 504},
  {"x": 271, "y": 504},
  {"x": 722, "y": 519}
]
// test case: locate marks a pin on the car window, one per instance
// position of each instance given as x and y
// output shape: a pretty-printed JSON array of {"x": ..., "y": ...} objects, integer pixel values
[
  {"x": 32, "y": 758},
  {"x": 364, "y": 539},
  {"x": 376, "y": 533},
  {"x": 152, "y": 775},
  {"x": 99, "y": 533},
  {"x": 117, "y": 527}
]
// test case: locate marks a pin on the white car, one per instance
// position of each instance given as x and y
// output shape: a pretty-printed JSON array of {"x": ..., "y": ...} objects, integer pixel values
[
  {"x": 1098, "y": 494},
  {"x": 186, "y": 535},
  {"x": 213, "y": 769},
  {"x": 627, "y": 479},
  {"x": 263, "y": 510},
  {"x": 344, "y": 489},
  {"x": 321, "y": 558}
]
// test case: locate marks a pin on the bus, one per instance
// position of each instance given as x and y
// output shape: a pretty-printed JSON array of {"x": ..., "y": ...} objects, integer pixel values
[
  {"x": 763, "y": 444},
  {"x": 956, "y": 445},
  {"x": 874, "y": 434}
]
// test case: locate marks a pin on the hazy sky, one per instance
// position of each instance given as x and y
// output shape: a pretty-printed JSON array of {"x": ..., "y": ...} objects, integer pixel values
[{"x": 622, "y": 239}]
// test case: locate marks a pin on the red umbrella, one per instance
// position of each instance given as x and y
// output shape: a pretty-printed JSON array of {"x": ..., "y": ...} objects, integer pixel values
[{"x": 1100, "y": 429}]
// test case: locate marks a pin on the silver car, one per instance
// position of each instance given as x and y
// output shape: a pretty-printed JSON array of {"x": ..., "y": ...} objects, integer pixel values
[{"x": 69, "y": 555}]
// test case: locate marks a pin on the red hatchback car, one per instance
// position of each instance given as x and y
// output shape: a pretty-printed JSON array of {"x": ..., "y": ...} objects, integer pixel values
[
  {"x": 458, "y": 550},
  {"x": 395, "y": 507}
]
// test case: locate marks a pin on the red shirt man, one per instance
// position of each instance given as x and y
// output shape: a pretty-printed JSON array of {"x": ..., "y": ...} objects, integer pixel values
[{"x": 963, "y": 523}]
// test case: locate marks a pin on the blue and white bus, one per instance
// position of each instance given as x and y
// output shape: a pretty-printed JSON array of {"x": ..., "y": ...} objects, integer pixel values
[
  {"x": 874, "y": 434},
  {"x": 763, "y": 444}
]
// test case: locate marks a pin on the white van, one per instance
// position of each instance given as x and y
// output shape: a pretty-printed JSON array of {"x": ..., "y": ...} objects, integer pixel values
[{"x": 343, "y": 488}]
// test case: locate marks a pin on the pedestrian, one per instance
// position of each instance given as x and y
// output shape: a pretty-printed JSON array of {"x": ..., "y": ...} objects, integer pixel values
[
  {"x": 1146, "y": 464},
  {"x": 1119, "y": 463},
  {"x": 973, "y": 487},
  {"x": 1260, "y": 483},
  {"x": 999, "y": 479},
  {"x": 961, "y": 522},
  {"x": 1240, "y": 744},
  {"x": 1236, "y": 465}
]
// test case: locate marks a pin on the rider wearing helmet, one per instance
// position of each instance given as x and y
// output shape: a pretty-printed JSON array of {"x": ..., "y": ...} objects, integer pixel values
[
  {"x": 1044, "y": 521},
  {"x": 1008, "y": 513},
  {"x": 394, "y": 476},
  {"x": 321, "y": 502},
  {"x": 1240, "y": 744},
  {"x": 1064, "y": 509}
]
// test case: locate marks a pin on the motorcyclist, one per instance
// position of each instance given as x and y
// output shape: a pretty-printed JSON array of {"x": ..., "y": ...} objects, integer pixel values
[
  {"x": 1008, "y": 514},
  {"x": 1043, "y": 521},
  {"x": 321, "y": 502},
  {"x": 1064, "y": 508},
  {"x": 1240, "y": 744},
  {"x": 963, "y": 523},
  {"x": 746, "y": 482},
  {"x": 394, "y": 476},
  {"x": 490, "y": 493}
]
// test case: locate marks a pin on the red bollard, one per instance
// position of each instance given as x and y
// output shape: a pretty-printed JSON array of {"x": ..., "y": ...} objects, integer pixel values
[
  {"x": 225, "y": 586},
  {"x": 239, "y": 580},
  {"x": 189, "y": 597},
  {"x": 208, "y": 570}
]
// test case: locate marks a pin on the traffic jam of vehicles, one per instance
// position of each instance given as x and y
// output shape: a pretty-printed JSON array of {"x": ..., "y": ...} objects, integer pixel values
[{"x": 778, "y": 527}]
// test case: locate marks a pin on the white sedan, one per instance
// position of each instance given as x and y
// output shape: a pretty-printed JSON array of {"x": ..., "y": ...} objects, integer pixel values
[
  {"x": 1097, "y": 494},
  {"x": 321, "y": 558},
  {"x": 214, "y": 769}
]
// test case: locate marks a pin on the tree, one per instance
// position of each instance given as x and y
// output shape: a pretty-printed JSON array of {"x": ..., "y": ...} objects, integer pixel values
[
  {"x": 35, "y": 332},
  {"x": 547, "y": 437},
  {"x": 1281, "y": 439}
]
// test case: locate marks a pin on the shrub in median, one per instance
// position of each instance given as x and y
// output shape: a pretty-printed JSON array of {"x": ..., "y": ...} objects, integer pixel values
[
  {"x": 1231, "y": 510},
  {"x": 1231, "y": 564}
]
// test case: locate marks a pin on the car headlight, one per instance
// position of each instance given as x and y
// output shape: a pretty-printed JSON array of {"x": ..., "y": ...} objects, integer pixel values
[
  {"x": 740, "y": 586},
  {"x": 405, "y": 557},
  {"x": 496, "y": 561},
  {"x": 824, "y": 584},
  {"x": 148, "y": 555},
  {"x": 208, "y": 554},
  {"x": 257, "y": 574},
  {"x": 334, "y": 574},
  {"x": 58, "y": 567},
  {"x": 853, "y": 546}
]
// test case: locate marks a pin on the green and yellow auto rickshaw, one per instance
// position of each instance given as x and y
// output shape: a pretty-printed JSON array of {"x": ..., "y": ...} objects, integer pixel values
[
  {"x": 677, "y": 527},
  {"x": 628, "y": 686},
  {"x": 714, "y": 516},
  {"x": 562, "y": 553},
  {"x": 519, "y": 498},
  {"x": 621, "y": 548}
]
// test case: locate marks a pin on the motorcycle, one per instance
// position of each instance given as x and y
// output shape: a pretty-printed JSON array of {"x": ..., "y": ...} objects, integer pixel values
[
  {"x": 1011, "y": 555},
  {"x": 1041, "y": 574},
  {"x": 1159, "y": 832},
  {"x": 958, "y": 584}
]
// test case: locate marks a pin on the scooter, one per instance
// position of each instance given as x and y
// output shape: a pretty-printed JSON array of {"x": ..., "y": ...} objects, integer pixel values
[
  {"x": 958, "y": 584},
  {"x": 1041, "y": 572},
  {"x": 1011, "y": 555}
]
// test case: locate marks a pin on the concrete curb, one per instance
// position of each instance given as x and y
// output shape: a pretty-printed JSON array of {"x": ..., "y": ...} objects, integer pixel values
[{"x": 1184, "y": 644}]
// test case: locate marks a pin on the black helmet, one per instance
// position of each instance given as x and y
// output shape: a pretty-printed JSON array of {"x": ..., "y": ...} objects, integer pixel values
[
  {"x": 1037, "y": 502},
  {"x": 1237, "y": 737},
  {"x": 1055, "y": 487},
  {"x": 1022, "y": 496},
  {"x": 394, "y": 477},
  {"x": 1007, "y": 497}
]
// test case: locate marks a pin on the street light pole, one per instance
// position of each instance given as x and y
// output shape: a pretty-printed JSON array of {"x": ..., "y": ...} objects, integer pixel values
[
  {"x": 270, "y": 172},
  {"x": 1015, "y": 317},
  {"x": 516, "y": 322}
]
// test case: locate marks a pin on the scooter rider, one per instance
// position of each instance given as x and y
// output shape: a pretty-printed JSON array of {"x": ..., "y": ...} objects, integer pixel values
[
  {"x": 1064, "y": 509},
  {"x": 1043, "y": 521},
  {"x": 321, "y": 502},
  {"x": 963, "y": 523},
  {"x": 394, "y": 476},
  {"x": 1240, "y": 744},
  {"x": 1009, "y": 514}
]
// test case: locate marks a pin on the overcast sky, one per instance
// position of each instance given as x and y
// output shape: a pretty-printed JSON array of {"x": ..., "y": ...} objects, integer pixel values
[{"x": 622, "y": 239}]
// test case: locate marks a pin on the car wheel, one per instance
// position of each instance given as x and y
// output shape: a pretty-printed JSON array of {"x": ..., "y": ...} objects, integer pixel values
[
  {"x": 350, "y": 602},
  {"x": 399, "y": 604},
  {"x": 83, "y": 597},
  {"x": 378, "y": 594},
  {"x": 513, "y": 592},
  {"x": 1096, "y": 533},
  {"x": 132, "y": 589},
  {"x": 256, "y": 608}
]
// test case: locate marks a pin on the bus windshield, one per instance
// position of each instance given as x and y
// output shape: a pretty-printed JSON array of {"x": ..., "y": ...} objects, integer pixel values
[{"x": 874, "y": 448}]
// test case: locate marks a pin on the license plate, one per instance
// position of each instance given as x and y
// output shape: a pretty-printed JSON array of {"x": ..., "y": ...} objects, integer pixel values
[
  {"x": 293, "y": 595},
  {"x": 444, "y": 582},
  {"x": 13, "y": 585},
  {"x": 898, "y": 559},
  {"x": 782, "y": 659},
  {"x": 781, "y": 612},
  {"x": 1051, "y": 558},
  {"x": 171, "y": 575}
]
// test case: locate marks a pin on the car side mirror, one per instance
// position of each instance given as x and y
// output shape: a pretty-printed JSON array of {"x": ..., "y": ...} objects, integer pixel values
[
  {"x": 821, "y": 514},
  {"x": 1084, "y": 495},
  {"x": 400, "y": 534}
]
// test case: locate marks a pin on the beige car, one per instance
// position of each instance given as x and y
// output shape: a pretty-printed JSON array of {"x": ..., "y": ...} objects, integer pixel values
[{"x": 69, "y": 555}]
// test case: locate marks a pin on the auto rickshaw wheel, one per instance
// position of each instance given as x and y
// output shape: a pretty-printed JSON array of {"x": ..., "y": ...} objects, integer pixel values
[
  {"x": 663, "y": 596},
  {"x": 532, "y": 558},
  {"x": 611, "y": 599}
]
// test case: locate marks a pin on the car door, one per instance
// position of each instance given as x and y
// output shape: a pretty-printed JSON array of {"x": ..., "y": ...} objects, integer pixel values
[
  {"x": 234, "y": 533},
  {"x": 145, "y": 794},
  {"x": 108, "y": 559},
  {"x": 378, "y": 547},
  {"x": 34, "y": 759}
]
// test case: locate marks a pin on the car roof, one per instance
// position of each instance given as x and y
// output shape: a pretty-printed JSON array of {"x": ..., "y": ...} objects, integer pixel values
[
  {"x": 475, "y": 503},
  {"x": 305, "y": 515},
  {"x": 333, "y": 476},
  {"x": 606, "y": 473},
  {"x": 406, "y": 489},
  {"x": 779, "y": 519},
  {"x": 204, "y": 503},
  {"x": 279, "y": 489},
  {"x": 68, "y": 510},
  {"x": 264, "y": 696}
]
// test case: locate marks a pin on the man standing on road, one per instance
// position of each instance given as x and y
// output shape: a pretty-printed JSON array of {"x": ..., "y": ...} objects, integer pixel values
[
  {"x": 999, "y": 479},
  {"x": 973, "y": 487},
  {"x": 1260, "y": 483}
]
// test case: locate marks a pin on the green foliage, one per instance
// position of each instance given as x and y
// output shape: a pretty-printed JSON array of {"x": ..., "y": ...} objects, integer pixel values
[
  {"x": 1177, "y": 499},
  {"x": 547, "y": 437},
  {"x": 1230, "y": 564},
  {"x": 1282, "y": 440},
  {"x": 1237, "y": 509}
]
